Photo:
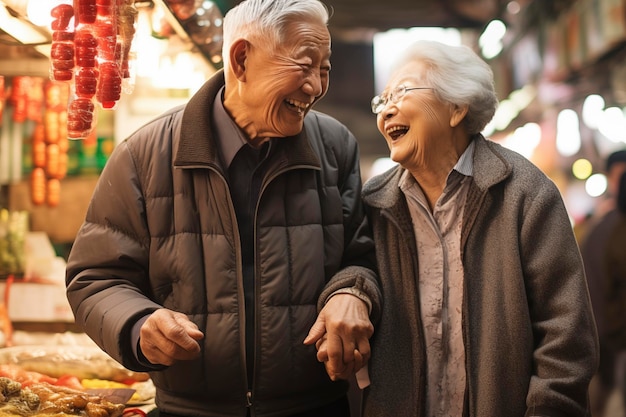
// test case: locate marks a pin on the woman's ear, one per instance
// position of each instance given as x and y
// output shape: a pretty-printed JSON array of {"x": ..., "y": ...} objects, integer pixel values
[
  {"x": 237, "y": 57},
  {"x": 458, "y": 114}
]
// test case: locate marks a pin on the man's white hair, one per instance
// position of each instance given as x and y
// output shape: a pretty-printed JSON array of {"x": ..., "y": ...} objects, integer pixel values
[{"x": 267, "y": 20}]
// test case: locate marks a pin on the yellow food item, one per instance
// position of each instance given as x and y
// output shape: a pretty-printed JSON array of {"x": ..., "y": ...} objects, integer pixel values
[
  {"x": 94, "y": 383},
  {"x": 89, "y": 383}
]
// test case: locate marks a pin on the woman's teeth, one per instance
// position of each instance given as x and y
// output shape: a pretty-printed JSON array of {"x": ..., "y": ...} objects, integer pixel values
[{"x": 396, "y": 131}]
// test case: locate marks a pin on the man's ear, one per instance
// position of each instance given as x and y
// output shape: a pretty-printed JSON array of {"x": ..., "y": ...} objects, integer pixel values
[
  {"x": 237, "y": 56},
  {"x": 458, "y": 114}
]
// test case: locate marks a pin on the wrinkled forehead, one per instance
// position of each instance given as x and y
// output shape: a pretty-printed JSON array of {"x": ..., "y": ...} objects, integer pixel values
[
  {"x": 312, "y": 36},
  {"x": 410, "y": 73}
]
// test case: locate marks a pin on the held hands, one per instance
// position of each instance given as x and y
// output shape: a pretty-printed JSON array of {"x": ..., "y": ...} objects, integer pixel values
[
  {"x": 168, "y": 336},
  {"x": 341, "y": 335}
]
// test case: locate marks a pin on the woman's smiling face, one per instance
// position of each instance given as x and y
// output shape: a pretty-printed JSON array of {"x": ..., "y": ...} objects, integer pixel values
[{"x": 416, "y": 125}]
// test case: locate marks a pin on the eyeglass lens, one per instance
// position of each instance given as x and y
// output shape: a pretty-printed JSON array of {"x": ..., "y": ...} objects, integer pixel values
[{"x": 380, "y": 101}]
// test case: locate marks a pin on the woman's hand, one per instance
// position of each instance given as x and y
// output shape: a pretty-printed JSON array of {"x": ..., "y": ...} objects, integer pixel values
[{"x": 341, "y": 335}]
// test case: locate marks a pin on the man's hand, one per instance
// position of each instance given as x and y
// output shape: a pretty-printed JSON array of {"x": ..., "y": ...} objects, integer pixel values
[
  {"x": 341, "y": 334},
  {"x": 168, "y": 336}
]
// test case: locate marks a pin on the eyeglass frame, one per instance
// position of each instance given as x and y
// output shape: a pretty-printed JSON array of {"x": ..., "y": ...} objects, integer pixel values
[{"x": 379, "y": 101}]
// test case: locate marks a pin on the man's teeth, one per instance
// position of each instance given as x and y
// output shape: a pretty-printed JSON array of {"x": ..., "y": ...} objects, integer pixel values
[{"x": 301, "y": 106}]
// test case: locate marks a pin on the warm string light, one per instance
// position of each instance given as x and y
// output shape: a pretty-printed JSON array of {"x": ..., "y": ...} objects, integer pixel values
[
  {"x": 20, "y": 29},
  {"x": 168, "y": 63}
]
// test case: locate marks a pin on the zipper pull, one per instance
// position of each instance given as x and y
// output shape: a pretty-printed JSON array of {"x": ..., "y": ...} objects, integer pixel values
[{"x": 249, "y": 399}]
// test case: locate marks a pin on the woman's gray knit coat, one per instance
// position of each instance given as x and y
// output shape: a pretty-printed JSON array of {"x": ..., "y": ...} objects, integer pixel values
[{"x": 528, "y": 330}]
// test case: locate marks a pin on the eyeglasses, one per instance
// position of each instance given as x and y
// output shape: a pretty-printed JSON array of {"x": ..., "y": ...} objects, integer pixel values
[{"x": 379, "y": 102}]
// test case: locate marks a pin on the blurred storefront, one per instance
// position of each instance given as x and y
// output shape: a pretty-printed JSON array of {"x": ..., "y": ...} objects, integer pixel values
[
  {"x": 560, "y": 70},
  {"x": 562, "y": 77}
]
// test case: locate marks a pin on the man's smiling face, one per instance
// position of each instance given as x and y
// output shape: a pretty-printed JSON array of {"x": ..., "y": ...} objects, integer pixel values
[{"x": 281, "y": 85}]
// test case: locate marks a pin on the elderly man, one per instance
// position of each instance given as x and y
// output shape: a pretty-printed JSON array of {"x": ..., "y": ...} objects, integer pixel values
[{"x": 226, "y": 231}]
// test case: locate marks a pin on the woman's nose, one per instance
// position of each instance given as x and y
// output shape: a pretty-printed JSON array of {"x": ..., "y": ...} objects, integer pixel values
[{"x": 389, "y": 108}]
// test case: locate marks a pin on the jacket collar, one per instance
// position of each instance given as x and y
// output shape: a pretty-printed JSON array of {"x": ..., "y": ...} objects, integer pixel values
[
  {"x": 198, "y": 147},
  {"x": 490, "y": 168},
  {"x": 490, "y": 165}
]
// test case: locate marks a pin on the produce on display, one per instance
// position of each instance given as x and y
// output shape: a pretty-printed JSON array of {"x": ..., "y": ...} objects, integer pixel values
[
  {"x": 91, "y": 50},
  {"x": 13, "y": 230},
  {"x": 90, "y": 67},
  {"x": 44, "y": 399},
  {"x": 38, "y": 185},
  {"x": 68, "y": 380},
  {"x": 84, "y": 362},
  {"x": 142, "y": 391},
  {"x": 26, "y": 97},
  {"x": 49, "y": 143}
]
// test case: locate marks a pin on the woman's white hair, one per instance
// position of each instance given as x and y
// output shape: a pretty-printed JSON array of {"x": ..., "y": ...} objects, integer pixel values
[
  {"x": 267, "y": 20},
  {"x": 459, "y": 76}
]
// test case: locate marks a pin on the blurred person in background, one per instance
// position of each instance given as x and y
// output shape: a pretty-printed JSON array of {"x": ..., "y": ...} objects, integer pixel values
[
  {"x": 614, "y": 306},
  {"x": 226, "y": 231},
  {"x": 593, "y": 247},
  {"x": 486, "y": 309}
]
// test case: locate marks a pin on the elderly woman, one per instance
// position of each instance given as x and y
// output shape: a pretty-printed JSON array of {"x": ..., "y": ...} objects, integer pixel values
[{"x": 486, "y": 309}]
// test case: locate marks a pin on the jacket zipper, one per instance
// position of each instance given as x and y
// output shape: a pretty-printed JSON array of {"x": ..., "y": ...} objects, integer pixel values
[{"x": 250, "y": 388}]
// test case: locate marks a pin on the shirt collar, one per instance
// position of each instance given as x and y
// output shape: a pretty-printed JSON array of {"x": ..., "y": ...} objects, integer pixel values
[
  {"x": 465, "y": 164},
  {"x": 230, "y": 138}
]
